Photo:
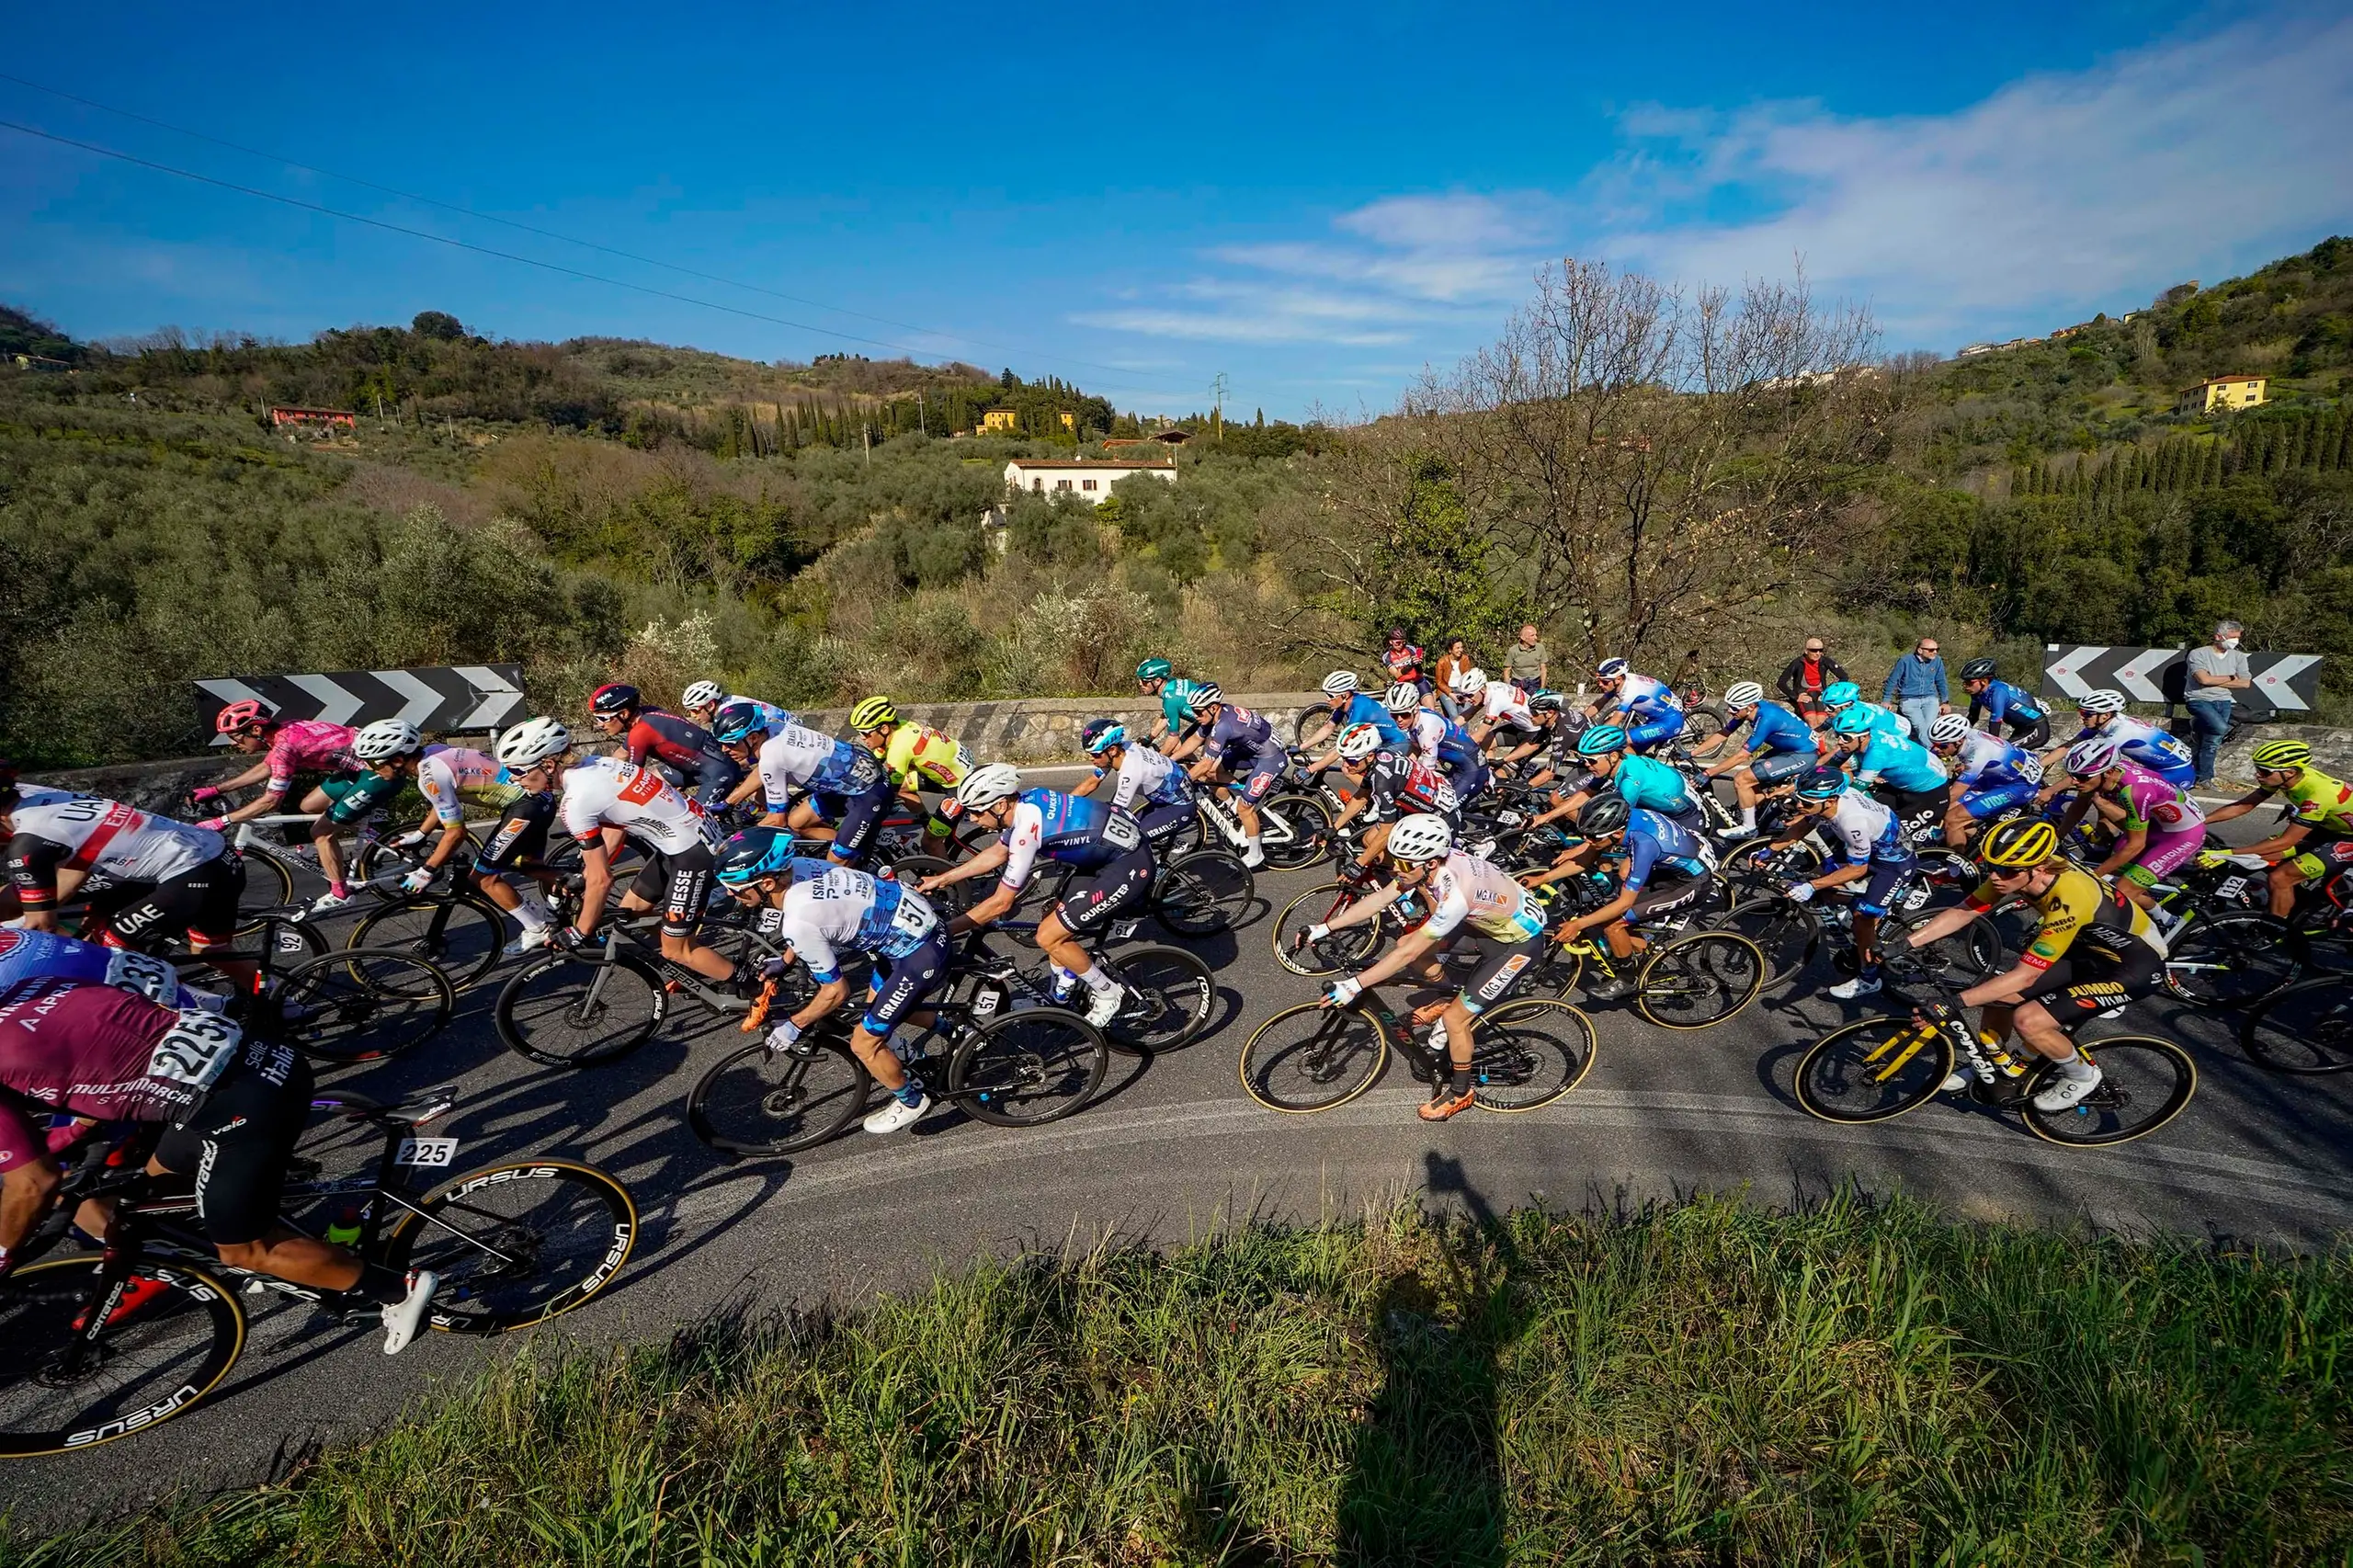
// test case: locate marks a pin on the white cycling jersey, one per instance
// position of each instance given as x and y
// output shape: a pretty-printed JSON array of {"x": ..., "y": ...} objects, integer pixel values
[
  {"x": 1503, "y": 702},
  {"x": 1149, "y": 777},
  {"x": 1468, "y": 888},
  {"x": 848, "y": 909},
  {"x": 121, "y": 841},
  {"x": 446, "y": 774},
  {"x": 1424, "y": 733},
  {"x": 605, "y": 792},
  {"x": 1863, "y": 826},
  {"x": 794, "y": 756}
]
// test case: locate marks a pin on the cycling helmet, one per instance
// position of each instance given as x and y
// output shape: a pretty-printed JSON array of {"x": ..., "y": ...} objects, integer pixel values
[
  {"x": 1949, "y": 730},
  {"x": 1359, "y": 742},
  {"x": 735, "y": 722},
  {"x": 1339, "y": 683},
  {"x": 2018, "y": 843},
  {"x": 1979, "y": 669},
  {"x": 1469, "y": 682},
  {"x": 1546, "y": 702},
  {"x": 874, "y": 713},
  {"x": 1744, "y": 694},
  {"x": 1206, "y": 698},
  {"x": 1101, "y": 734},
  {"x": 1820, "y": 784},
  {"x": 1841, "y": 694},
  {"x": 1402, "y": 697},
  {"x": 2106, "y": 699},
  {"x": 1155, "y": 669},
  {"x": 531, "y": 742},
  {"x": 2273, "y": 756},
  {"x": 755, "y": 852},
  {"x": 2090, "y": 758},
  {"x": 1426, "y": 791},
  {"x": 1610, "y": 669},
  {"x": 988, "y": 784},
  {"x": 702, "y": 694},
  {"x": 1604, "y": 814},
  {"x": 237, "y": 715},
  {"x": 385, "y": 739},
  {"x": 1851, "y": 720},
  {"x": 1599, "y": 739},
  {"x": 1420, "y": 837},
  {"x": 613, "y": 698}
]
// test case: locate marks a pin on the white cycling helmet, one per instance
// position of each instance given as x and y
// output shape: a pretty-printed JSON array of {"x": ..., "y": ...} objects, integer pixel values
[
  {"x": 1402, "y": 697},
  {"x": 988, "y": 784},
  {"x": 1206, "y": 697},
  {"x": 702, "y": 694},
  {"x": 1949, "y": 730},
  {"x": 1469, "y": 682},
  {"x": 1359, "y": 742},
  {"x": 1610, "y": 669},
  {"x": 532, "y": 740},
  {"x": 1339, "y": 683},
  {"x": 1422, "y": 836},
  {"x": 385, "y": 739},
  {"x": 2106, "y": 699},
  {"x": 2087, "y": 759},
  {"x": 1744, "y": 694}
]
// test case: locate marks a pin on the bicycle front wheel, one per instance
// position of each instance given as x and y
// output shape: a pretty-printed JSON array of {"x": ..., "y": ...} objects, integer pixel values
[
  {"x": 1201, "y": 895},
  {"x": 363, "y": 1005},
  {"x": 1169, "y": 1000},
  {"x": 1028, "y": 1068},
  {"x": 2306, "y": 1030},
  {"x": 1297, "y": 830},
  {"x": 462, "y": 936},
  {"x": 268, "y": 885},
  {"x": 1311, "y": 1058},
  {"x": 2233, "y": 959},
  {"x": 1755, "y": 868},
  {"x": 516, "y": 1243},
  {"x": 1700, "y": 979},
  {"x": 757, "y": 1101},
  {"x": 172, "y": 1336},
  {"x": 1874, "y": 1070},
  {"x": 2143, "y": 1084},
  {"x": 1529, "y": 1053},
  {"x": 1350, "y": 947},
  {"x": 581, "y": 1012}
]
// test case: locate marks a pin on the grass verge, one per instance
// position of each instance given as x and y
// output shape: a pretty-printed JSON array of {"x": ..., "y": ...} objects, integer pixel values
[{"x": 1863, "y": 1383}]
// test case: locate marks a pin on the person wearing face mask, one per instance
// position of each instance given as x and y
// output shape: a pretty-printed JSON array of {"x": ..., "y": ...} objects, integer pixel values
[{"x": 2215, "y": 671}]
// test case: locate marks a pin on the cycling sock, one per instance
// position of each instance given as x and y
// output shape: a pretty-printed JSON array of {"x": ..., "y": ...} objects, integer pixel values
[
  {"x": 1461, "y": 1082},
  {"x": 909, "y": 1094},
  {"x": 1066, "y": 981},
  {"x": 534, "y": 914},
  {"x": 386, "y": 1287},
  {"x": 340, "y": 889},
  {"x": 1094, "y": 980},
  {"x": 2075, "y": 1066},
  {"x": 1748, "y": 816},
  {"x": 1251, "y": 839}
]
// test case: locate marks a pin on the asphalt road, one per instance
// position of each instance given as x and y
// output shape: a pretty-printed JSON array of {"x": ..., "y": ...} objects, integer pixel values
[{"x": 1175, "y": 1146}]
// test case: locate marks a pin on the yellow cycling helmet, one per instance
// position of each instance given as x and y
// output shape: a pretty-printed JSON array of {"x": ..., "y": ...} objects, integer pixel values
[
  {"x": 874, "y": 713},
  {"x": 2018, "y": 843},
  {"x": 2273, "y": 756}
]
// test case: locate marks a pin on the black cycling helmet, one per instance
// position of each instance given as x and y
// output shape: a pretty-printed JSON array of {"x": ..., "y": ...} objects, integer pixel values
[
  {"x": 1604, "y": 814},
  {"x": 613, "y": 698},
  {"x": 734, "y": 720},
  {"x": 1979, "y": 669}
]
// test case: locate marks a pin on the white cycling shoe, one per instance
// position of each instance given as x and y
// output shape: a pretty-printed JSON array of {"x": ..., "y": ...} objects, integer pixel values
[
  {"x": 531, "y": 941},
  {"x": 404, "y": 1317},
  {"x": 2064, "y": 1093},
  {"x": 1736, "y": 834},
  {"x": 328, "y": 902},
  {"x": 1861, "y": 985},
  {"x": 1958, "y": 1080},
  {"x": 1252, "y": 860},
  {"x": 896, "y": 1114},
  {"x": 1104, "y": 1005}
]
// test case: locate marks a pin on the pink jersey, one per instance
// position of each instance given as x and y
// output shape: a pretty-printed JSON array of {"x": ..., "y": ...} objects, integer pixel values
[
  {"x": 1467, "y": 887},
  {"x": 2154, "y": 804},
  {"x": 309, "y": 745},
  {"x": 447, "y": 775}
]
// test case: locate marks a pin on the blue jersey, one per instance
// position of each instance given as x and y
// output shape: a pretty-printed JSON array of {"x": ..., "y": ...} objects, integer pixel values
[
  {"x": 1366, "y": 708},
  {"x": 1456, "y": 749},
  {"x": 45, "y": 955},
  {"x": 1901, "y": 764},
  {"x": 1076, "y": 829},
  {"x": 1988, "y": 762},
  {"x": 1646, "y": 697},
  {"x": 1776, "y": 729},
  {"x": 1651, "y": 785},
  {"x": 1238, "y": 735},
  {"x": 1653, "y": 840},
  {"x": 2002, "y": 701}
]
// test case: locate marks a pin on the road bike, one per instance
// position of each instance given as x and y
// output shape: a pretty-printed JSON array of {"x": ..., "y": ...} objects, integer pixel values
[
  {"x": 1525, "y": 1052},
  {"x": 1790, "y": 934},
  {"x": 1195, "y": 893},
  {"x": 1294, "y": 828},
  {"x": 338, "y": 1009},
  {"x": 2306, "y": 1030},
  {"x": 105, "y": 1345}
]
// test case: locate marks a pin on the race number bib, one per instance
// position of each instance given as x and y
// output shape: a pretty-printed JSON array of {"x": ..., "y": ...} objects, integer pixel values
[
  {"x": 1119, "y": 831},
  {"x": 148, "y": 977},
  {"x": 909, "y": 923},
  {"x": 196, "y": 1051}
]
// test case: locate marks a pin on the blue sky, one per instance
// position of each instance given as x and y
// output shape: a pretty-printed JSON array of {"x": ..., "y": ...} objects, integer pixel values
[{"x": 1318, "y": 202}]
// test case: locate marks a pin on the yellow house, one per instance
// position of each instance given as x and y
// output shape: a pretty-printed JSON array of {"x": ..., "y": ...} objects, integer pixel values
[
  {"x": 999, "y": 421},
  {"x": 2225, "y": 393}
]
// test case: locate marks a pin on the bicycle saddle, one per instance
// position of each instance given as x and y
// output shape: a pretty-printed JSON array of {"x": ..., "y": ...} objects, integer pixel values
[{"x": 416, "y": 1109}]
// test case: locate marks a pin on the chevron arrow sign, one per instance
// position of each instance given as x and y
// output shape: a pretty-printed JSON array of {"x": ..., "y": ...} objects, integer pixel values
[
  {"x": 439, "y": 700},
  {"x": 2286, "y": 682}
]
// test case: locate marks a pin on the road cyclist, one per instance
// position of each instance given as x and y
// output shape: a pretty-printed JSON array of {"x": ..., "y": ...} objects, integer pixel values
[
  {"x": 2004, "y": 705},
  {"x": 1842, "y": 695},
  {"x": 2160, "y": 827},
  {"x": 1903, "y": 772},
  {"x": 1499, "y": 712},
  {"x": 1443, "y": 741},
  {"x": 1157, "y": 677},
  {"x": 450, "y": 779},
  {"x": 312, "y": 753},
  {"x": 1147, "y": 784},
  {"x": 2104, "y": 717},
  {"x": 146, "y": 879},
  {"x": 1667, "y": 869},
  {"x": 848, "y": 789},
  {"x": 685, "y": 753},
  {"x": 1781, "y": 746},
  {"x": 1868, "y": 848},
  {"x": 1991, "y": 777},
  {"x": 916, "y": 759},
  {"x": 1231, "y": 740},
  {"x": 1349, "y": 706},
  {"x": 1605, "y": 752},
  {"x": 2321, "y": 821},
  {"x": 1645, "y": 705}
]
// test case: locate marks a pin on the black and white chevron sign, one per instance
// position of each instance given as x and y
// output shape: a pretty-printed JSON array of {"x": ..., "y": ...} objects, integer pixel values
[
  {"x": 441, "y": 698},
  {"x": 2286, "y": 682}
]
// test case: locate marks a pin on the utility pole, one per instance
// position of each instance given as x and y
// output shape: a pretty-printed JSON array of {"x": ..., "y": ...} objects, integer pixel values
[
  {"x": 866, "y": 437},
  {"x": 1217, "y": 413},
  {"x": 921, "y": 427}
]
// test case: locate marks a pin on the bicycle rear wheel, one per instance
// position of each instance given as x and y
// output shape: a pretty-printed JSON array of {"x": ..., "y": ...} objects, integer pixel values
[
  {"x": 2143, "y": 1084},
  {"x": 1348, "y": 948},
  {"x": 1311, "y": 1058},
  {"x": 1700, "y": 979},
  {"x": 1785, "y": 932},
  {"x": 516, "y": 1243},
  {"x": 1201, "y": 895},
  {"x": 1529, "y": 1053},
  {"x": 581, "y": 1012},
  {"x": 1028, "y": 1068},
  {"x": 363, "y": 1005},
  {"x": 269, "y": 886},
  {"x": 2306, "y": 1030},
  {"x": 2233, "y": 959},
  {"x": 1874, "y": 1070},
  {"x": 1314, "y": 728},
  {"x": 757, "y": 1101},
  {"x": 462, "y": 936},
  {"x": 1298, "y": 830},
  {"x": 174, "y": 1335},
  {"x": 1170, "y": 998}
]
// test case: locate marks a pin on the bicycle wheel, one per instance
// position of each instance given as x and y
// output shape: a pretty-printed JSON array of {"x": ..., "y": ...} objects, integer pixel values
[
  {"x": 1311, "y": 1058},
  {"x": 757, "y": 1101},
  {"x": 1559, "y": 969},
  {"x": 1874, "y": 1070},
  {"x": 581, "y": 1012},
  {"x": 1759, "y": 866},
  {"x": 1529, "y": 1053},
  {"x": 1967, "y": 956},
  {"x": 1201, "y": 895},
  {"x": 1700, "y": 979},
  {"x": 364, "y": 1006},
  {"x": 1351, "y": 948},
  {"x": 1314, "y": 728},
  {"x": 268, "y": 885},
  {"x": 173, "y": 1337},
  {"x": 1028, "y": 1068},
  {"x": 2143, "y": 1084},
  {"x": 2306, "y": 1030},
  {"x": 1785, "y": 932},
  {"x": 460, "y": 936},
  {"x": 1297, "y": 831},
  {"x": 1170, "y": 998},
  {"x": 2233, "y": 959},
  {"x": 516, "y": 1243}
]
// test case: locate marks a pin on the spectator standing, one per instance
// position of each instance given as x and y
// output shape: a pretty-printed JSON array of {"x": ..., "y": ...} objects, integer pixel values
[
  {"x": 1528, "y": 665},
  {"x": 1805, "y": 678},
  {"x": 1915, "y": 687},
  {"x": 2216, "y": 670},
  {"x": 1398, "y": 654},
  {"x": 1452, "y": 662}
]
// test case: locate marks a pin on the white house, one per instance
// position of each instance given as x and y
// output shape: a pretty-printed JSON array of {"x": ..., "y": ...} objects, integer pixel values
[{"x": 1088, "y": 481}]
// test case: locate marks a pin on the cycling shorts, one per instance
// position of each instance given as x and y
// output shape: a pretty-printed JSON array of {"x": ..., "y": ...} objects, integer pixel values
[
  {"x": 2162, "y": 854},
  {"x": 1651, "y": 731},
  {"x": 1265, "y": 772},
  {"x": 1780, "y": 766},
  {"x": 521, "y": 837},
  {"x": 1922, "y": 812},
  {"x": 901, "y": 982},
  {"x": 1885, "y": 880},
  {"x": 354, "y": 796},
  {"x": 200, "y": 904},
  {"x": 855, "y": 818},
  {"x": 1469, "y": 779},
  {"x": 1501, "y": 965},
  {"x": 1667, "y": 892},
  {"x": 2315, "y": 856},
  {"x": 678, "y": 884},
  {"x": 238, "y": 1139},
  {"x": 1161, "y": 824},
  {"x": 2079, "y": 984},
  {"x": 2033, "y": 734},
  {"x": 1116, "y": 889},
  {"x": 1997, "y": 800}
]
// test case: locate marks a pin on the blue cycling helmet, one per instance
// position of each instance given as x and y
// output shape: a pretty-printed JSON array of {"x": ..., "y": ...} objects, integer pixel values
[
  {"x": 1610, "y": 669},
  {"x": 1822, "y": 784},
  {"x": 755, "y": 852},
  {"x": 1101, "y": 734},
  {"x": 734, "y": 720},
  {"x": 1600, "y": 738},
  {"x": 1851, "y": 720},
  {"x": 1841, "y": 694}
]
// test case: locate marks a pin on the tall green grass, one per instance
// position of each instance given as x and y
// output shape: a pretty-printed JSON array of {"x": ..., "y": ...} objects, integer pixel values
[{"x": 1709, "y": 1383}]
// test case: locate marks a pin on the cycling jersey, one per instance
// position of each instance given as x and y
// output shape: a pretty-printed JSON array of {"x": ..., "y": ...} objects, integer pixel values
[
  {"x": 2153, "y": 804},
  {"x": 85, "y": 833},
  {"x": 1886, "y": 721},
  {"x": 1646, "y": 696},
  {"x": 1653, "y": 840},
  {"x": 1147, "y": 777},
  {"x": 1177, "y": 704},
  {"x": 2323, "y": 804},
  {"x": 677, "y": 742},
  {"x": 2003, "y": 702},
  {"x": 1989, "y": 762},
  {"x": 1424, "y": 731},
  {"x": 1239, "y": 736},
  {"x": 103, "y": 1052},
  {"x": 1506, "y": 704},
  {"x": 45, "y": 955},
  {"x": 1363, "y": 708},
  {"x": 918, "y": 755},
  {"x": 1393, "y": 781},
  {"x": 605, "y": 792},
  {"x": 831, "y": 908},
  {"x": 1775, "y": 729},
  {"x": 1644, "y": 781},
  {"x": 2148, "y": 745},
  {"x": 771, "y": 717},
  {"x": 1467, "y": 888},
  {"x": 1407, "y": 656},
  {"x": 309, "y": 745},
  {"x": 817, "y": 763},
  {"x": 1074, "y": 829},
  {"x": 1863, "y": 830},
  {"x": 1905, "y": 764},
  {"x": 2078, "y": 907},
  {"x": 450, "y": 775}
]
